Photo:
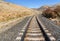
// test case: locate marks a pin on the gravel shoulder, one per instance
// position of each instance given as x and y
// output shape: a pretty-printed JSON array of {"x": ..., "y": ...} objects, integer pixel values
[
  {"x": 54, "y": 29},
  {"x": 11, "y": 34}
]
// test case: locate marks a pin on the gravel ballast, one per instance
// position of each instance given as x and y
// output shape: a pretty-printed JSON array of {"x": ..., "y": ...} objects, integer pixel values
[{"x": 11, "y": 34}]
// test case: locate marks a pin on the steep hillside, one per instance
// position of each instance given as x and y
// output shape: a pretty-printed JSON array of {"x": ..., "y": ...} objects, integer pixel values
[{"x": 10, "y": 11}]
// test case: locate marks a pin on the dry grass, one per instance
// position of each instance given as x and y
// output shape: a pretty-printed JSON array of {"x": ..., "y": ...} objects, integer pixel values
[{"x": 10, "y": 11}]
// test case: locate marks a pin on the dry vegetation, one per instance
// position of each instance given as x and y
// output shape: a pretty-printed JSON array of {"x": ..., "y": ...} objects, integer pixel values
[
  {"x": 49, "y": 13},
  {"x": 57, "y": 9},
  {"x": 10, "y": 11},
  {"x": 53, "y": 13}
]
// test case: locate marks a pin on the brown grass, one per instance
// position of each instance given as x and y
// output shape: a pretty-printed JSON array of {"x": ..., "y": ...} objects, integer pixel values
[{"x": 10, "y": 11}]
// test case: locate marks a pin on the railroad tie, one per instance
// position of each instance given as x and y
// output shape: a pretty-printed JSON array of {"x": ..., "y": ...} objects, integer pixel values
[{"x": 49, "y": 34}]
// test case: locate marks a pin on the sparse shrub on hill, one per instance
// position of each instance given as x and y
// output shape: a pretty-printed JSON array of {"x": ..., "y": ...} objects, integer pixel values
[
  {"x": 49, "y": 13},
  {"x": 57, "y": 9}
]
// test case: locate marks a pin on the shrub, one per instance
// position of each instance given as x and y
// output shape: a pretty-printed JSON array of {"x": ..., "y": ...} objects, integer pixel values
[{"x": 49, "y": 13}]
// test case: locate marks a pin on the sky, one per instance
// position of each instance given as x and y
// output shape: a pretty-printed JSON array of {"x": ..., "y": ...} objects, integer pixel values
[{"x": 33, "y": 3}]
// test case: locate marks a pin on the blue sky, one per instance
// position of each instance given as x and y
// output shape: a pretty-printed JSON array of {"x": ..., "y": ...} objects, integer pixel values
[{"x": 33, "y": 3}]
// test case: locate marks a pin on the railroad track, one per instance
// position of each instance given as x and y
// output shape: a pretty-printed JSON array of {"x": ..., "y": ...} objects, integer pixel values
[
  {"x": 53, "y": 28},
  {"x": 34, "y": 30}
]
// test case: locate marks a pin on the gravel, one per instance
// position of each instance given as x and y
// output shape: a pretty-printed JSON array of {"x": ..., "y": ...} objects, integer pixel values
[
  {"x": 54, "y": 29},
  {"x": 11, "y": 34}
]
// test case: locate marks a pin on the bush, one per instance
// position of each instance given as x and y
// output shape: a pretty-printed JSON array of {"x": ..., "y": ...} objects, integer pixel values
[{"x": 49, "y": 13}]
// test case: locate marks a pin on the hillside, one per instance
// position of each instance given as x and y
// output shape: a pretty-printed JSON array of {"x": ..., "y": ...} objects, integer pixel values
[
  {"x": 10, "y": 11},
  {"x": 52, "y": 13}
]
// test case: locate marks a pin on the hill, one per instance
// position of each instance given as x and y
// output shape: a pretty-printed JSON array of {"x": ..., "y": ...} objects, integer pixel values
[{"x": 10, "y": 11}]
